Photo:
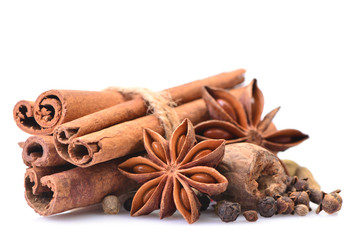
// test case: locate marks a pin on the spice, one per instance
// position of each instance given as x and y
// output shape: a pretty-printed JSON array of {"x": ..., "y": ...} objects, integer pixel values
[
  {"x": 126, "y": 200},
  {"x": 173, "y": 168},
  {"x": 251, "y": 215},
  {"x": 135, "y": 107},
  {"x": 300, "y": 184},
  {"x": 253, "y": 173},
  {"x": 301, "y": 209},
  {"x": 227, "y": 211},
  {"x": 300, "y": 172},
  {"x": 39, "y": 151},
  {"x": 126, "y": 138},
  {"x": 316, "y": 195},
  {"x": 204, "y": 201},
  {"x": 83, "y": 187},
  {"x": 55, "y": 107},
  {"x": 331, "y": 202},
  {"x": 111, "y": 204},
  {"x": 267, "y": 207},
  {"x": 300, "y": 197},
  {"x": 127, "y": 204},
  {"x": 285, "y": 205},
  {"x": 240, "y": 120},
  {"x": 303, "y": 172}
]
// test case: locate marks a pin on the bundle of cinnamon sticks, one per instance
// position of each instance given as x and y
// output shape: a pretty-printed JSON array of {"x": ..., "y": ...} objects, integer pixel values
[{"x": 78, "y": 139}]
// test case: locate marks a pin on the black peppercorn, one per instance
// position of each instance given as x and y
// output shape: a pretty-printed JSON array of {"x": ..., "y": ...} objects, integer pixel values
[
  {"x": 128, "y": 203},
  {"x": 204, "y": 201},
  {"x": 315, "y": 195},
  {"x": 227, "y": 211},
  {"x": 285, "y": 205},
  {"x": 267, "y": 207}
]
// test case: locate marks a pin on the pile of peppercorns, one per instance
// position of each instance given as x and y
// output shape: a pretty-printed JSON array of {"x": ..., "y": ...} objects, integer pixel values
[{"x": 296, "y": 200}]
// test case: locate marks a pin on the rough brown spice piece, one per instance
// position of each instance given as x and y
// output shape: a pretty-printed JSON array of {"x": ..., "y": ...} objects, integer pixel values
[
  {"x": 331, "y": 202},
  {"x": 253, "y": 173},
  {"x": 251, "y": 215},
  {"x": 227, "y": 211},
  {"x": 267, "y": 207},
  {"x": 111, "y": 204},
  {"x": 300, "y": 197},
  {"x": 301, "y": 209},
  {"x": 285, "y": 205}
]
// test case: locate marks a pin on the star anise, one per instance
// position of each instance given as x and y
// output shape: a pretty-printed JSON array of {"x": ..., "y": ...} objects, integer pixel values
[
  {"x": 172, "y": 169},
  {"x": 239, "y": 120}
]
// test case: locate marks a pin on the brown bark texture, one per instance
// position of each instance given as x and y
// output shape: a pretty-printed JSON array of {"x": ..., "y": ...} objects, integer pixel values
[
  {"x": 136, "y": 108},
  {"x": 253, "y": 173},
  {"x": 55, "y": 107},
  {"x": 40, "y": 151},
  {"x": 50, "y": 194},
  {"x": 126, "y": 138}
]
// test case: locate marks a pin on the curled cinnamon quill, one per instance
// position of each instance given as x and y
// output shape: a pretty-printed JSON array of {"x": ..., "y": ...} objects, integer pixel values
[{"x": 55, "y": 107}]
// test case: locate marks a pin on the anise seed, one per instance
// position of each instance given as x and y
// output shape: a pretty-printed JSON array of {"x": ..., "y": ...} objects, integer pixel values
[
  {"x": 227, "y": 107},
  {"x": 217, "y": 133},
  {"x": 185, "y": 199},
  {"x": 203, "y": 178},
  {"x": 148, "y": 194},
  {"x": 142, "y": 168},
  {"x": 201, "y": 153},
  {"x": 158, "y": 150},
  {"x": 180, "y": 144}
]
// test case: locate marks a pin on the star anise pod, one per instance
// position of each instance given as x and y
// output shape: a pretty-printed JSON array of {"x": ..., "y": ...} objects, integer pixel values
[
  {"x": 173, "y": 168},
  {"x": 239, "y": 120}
]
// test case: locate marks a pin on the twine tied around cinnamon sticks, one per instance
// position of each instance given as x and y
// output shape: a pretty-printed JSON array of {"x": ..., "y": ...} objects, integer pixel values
[{"x": 160, "y": 104}]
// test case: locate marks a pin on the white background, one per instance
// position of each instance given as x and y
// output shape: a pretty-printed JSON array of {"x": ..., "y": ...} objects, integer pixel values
[{"x": 305, "y": 55}]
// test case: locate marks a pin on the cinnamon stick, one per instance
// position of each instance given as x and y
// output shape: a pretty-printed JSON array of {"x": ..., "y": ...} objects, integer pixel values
[
  {"x": 74, "y": 188},
  {"x": 39, "y": 151},
  {"x": 34, "y": 174},
  {"x": 136, "y": 108},
  {"x": 126, "y": 138},
  {"x": 55, "y": 107}
]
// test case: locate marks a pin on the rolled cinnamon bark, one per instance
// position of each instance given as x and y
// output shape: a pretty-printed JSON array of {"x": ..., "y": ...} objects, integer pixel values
[
  {"x": 126, "y": 138},
  {"x": 253, "y": 173},
  {"x": 34, "y": 174},
  {"x": 137, "y": 108},
  {"x": 40, "y": 151},
  {"x": 74, "y": 188},
  {"x": 55, "y": 107}
]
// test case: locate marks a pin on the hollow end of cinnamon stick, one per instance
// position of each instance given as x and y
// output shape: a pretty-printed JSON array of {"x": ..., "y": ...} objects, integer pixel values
[
  {"x": 55, "y": 107},
  {"x": 24, "y": 117},
  {"x": 64, "y": 135},
  {"x": 40, "y": 151},
  {"x": 81, "y": 153},
  {"x": 76, "y": 187},
  {"x": 39, "y": 200}
]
